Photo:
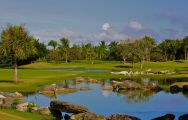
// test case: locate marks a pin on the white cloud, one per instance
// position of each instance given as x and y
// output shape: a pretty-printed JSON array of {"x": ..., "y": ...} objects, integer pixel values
[
  {"x": 135, "y": 25},
  {"x": 106, "y": 26},
  {"x": 107, "y": 34}
]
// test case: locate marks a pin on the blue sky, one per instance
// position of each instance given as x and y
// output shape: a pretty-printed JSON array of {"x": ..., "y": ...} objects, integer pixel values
[{"x": 95, "y": 20}]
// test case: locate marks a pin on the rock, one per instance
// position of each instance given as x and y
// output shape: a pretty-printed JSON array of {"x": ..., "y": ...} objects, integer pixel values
[
  {"x": 66, "y": 90},
  {"x": 174, "y": 89},
  {"x": 51, "y": 87},
  {"x": 22, "y": 107},
  {"x": 33, "y": 109},
  {"x": 183, "y": 117},
  {"x": 185, "y": 88},
  {"x": 12, "y": 101},
  {"x": 87, "y": 80},
  {"x": 67, "y": 107},
  {"x": 16, "y": 94},
  {"x": 153, "y": 86},
  {"x": 67, "y": 117},
  {"x": 57, "y": 114},
  {"x": 165, "y": 117},
  {"x": 84, "y": 116},
  {"x": 122, "y": 117},
  {"x": 2, "y": 97},
  {"x": 85, "y": 89},
  {"x": 126, "y": 85},
  {"x": 44, "y": 111},
  {"x": 80, "y": 79}
]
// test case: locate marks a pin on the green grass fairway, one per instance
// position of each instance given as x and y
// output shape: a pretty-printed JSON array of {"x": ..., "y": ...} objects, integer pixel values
[{"x": 34, "y": 76}]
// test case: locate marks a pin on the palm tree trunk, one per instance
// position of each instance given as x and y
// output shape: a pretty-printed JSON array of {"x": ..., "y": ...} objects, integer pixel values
[
  {"x": 15, "y": 70},
  {"x": 66, "y": 57},
  {"x": 185, "y": 54}
]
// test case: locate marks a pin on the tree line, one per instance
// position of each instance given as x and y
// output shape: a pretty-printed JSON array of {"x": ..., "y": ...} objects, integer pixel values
[{"x": 18, "y": 47}]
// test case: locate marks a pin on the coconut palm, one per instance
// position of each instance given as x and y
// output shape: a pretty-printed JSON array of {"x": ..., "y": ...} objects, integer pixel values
[
  {"x": 17, "y": 42},
  {"x": 65, "y": 47}
]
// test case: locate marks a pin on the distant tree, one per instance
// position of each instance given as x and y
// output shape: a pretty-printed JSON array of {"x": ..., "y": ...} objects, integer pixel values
[
  {"x": 64, "y": 46},
  {"x": 164, "y": 46},
  {"x": 149, "y": 44},
  {"x": 17, "y": 41},
  {"x": 139, "y": 51}
]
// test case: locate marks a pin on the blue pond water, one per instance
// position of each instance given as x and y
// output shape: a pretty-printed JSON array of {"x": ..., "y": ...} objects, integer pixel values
[{"x": 142, "y": 105}]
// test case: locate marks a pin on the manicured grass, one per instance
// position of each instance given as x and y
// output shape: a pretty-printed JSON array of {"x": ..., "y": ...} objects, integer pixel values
[
  {"x": 7, "y": 114},
  {"x": 34, "y": 76}
]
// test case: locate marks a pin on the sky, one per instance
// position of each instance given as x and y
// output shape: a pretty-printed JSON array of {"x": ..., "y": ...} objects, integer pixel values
[{"x": 84, "y": 21}]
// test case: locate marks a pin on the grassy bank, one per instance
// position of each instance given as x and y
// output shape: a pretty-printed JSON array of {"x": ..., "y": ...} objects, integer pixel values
[{"x": 7, "y": 114}]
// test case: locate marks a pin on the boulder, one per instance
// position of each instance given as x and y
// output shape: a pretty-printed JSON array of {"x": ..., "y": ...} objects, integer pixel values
[
  {"x": 22, "y": 107},
  {"x": 126, "y": 85},
  {"x": 65, "y": 90},
  {"x": 51, "y": 87},
  {"x": 67, "y": 117},
  {"x": 165, "y": 117},
  {"x": 16, "y": 94},
  {"x": 12, "y": 101},
  {"x": 86, "y": 116},
  {"x": 33, "y": 109},
  {"x": 57, "y": 114},
  {"x": 85, "y": 89},
  {"x": 44, "y": 111},
  {"x": 67, "y": 107},
  {"x": 174, "y": 89},
  {"x": 122, "y": 117},
  {"x": 183, "y": 117},
  {"x": 185, "y": 88},
  {"x": 87, "y": 80}
]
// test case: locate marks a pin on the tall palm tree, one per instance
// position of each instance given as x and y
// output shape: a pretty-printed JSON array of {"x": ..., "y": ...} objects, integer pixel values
[
  {"x": 65, "y": 47},
  {"x": 102, "y": 48},
  {"x": 17, "y": 42},
  {"x": 53, "y": 44}
]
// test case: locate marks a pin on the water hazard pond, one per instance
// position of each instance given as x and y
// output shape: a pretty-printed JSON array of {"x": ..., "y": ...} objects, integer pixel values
[{"x": 140, "y": 104}]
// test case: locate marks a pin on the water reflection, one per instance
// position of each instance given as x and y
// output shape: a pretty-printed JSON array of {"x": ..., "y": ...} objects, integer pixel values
[
  {"x": 140, "y": 103},
  {"x": 137, "y": 96}
]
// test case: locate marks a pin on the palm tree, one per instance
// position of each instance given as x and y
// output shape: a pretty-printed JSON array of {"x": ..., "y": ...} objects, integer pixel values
[
  {"x": 102, "y": 48},
  {"x": 17, "y": 42},
  {"x": 53, "y": 44},
  {"x": 65, "y": 47}
]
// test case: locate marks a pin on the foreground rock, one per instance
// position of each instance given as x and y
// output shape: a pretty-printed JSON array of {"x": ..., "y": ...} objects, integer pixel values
[
  {"x": 44, "y": 111},
  {"x": 87, "y": 116},
  {"x": 12, "y": 100},
  {"x": 122, "y": 117},
  {"x": 22, "y": 107},
  {"x": 184, "y": 117},
  {"x": 165, "y": 117},
  {"x": 68, "y": 107}
]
